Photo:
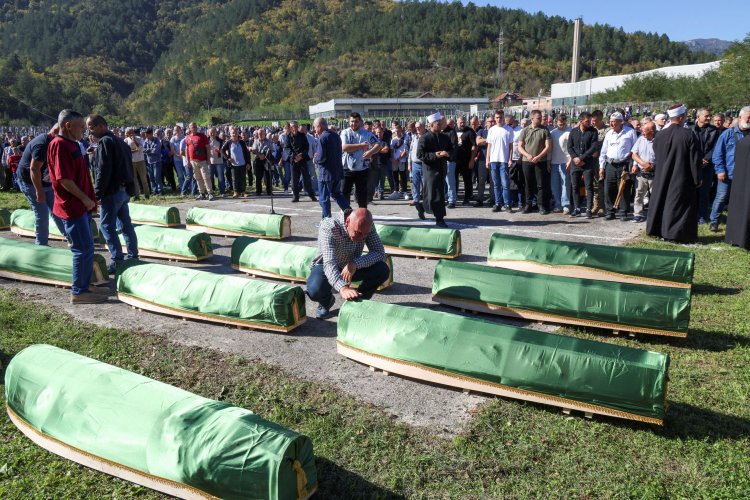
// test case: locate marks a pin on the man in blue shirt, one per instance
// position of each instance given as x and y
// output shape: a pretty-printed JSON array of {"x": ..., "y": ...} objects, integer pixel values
[
  {"x": 152, "y": 153},
  {"x": 330, "y": 170},
  {"x": 723, "y": 160}
]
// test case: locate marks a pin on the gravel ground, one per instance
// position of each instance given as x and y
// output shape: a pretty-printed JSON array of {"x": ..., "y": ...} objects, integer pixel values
[{"x": 309, "y": 351}]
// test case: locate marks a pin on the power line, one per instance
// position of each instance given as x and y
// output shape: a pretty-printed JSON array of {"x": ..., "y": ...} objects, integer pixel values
[{"x": 29, "y": 105}]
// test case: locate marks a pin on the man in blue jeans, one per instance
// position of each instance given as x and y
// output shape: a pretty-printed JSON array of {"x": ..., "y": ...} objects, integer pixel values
[
  {"x": 415, "y": 167},
  {"x": 340, "y": 262},
  {"x": 723, "y": 160},
  {"x": 74, "y": 202},
  {"x": 33, "y": 180},
  {"x": 327, "y": 157},
  {"x": 113, "y": 184}
]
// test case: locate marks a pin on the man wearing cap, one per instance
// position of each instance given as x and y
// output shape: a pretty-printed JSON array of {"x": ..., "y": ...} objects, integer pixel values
[
  {"x": 340, "y": 262},
  {"x": 614, "y": 160},
  {"x": 673, "y": 204},
  {"x": 434, "y": 150}
]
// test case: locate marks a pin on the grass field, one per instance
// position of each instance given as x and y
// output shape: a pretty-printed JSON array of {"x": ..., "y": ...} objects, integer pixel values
[{"x": 510, "y": 449}]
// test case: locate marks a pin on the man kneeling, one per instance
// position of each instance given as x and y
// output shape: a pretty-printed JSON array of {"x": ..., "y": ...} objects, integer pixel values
[{"x": 339, "y": 261}]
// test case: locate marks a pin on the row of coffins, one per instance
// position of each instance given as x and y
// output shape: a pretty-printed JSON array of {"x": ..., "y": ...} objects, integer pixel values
[
  {"x": 23, "y": 223},
  {"x": 151, "y": 433}
]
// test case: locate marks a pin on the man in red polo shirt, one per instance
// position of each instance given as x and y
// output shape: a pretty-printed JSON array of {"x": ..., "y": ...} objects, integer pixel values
[
  {"x": 74, "y": 202},
  {"x": 197, "y": 154}
]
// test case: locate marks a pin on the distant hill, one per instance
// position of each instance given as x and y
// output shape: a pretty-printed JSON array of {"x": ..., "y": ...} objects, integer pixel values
[
  {"x": 710, "y": 45},
  {"x": 172, "y": 60}
]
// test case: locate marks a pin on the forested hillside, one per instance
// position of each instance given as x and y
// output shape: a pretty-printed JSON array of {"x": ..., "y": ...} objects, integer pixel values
[{"x": 169, "y": 59}]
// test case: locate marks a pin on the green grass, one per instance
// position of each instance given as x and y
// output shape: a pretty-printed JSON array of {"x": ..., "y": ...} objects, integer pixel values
[{"x": 510, "y": 449}]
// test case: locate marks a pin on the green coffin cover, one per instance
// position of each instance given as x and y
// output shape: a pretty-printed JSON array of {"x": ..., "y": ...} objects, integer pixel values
[
  {"x": 261, "y": 225},
  {"x": 173, "y": 242},
  {"x": 155, "y": 428},
  {"x": 152, "y": 214},
  {"x": 647, "y": 307},
  {"x": 663, "y": 265},
  {"x": 24, "y": 219},
  {"x": 4, "y": 218},
  {"x": 48, "y": 263},
  {"x": 283, "y": 260},
  {"x": 258, "y": 303},
  {"x": 437, "y": 241},
  {"x": 615, "y": 377}
]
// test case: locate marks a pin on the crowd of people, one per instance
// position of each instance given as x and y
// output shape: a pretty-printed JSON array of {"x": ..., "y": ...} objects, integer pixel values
[{"x": 667, "y": 170}]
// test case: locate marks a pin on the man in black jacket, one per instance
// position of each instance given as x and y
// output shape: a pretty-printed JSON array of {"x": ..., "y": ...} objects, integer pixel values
[
  {"x": 113, "y": 185},
  {"x": 434, "y": 150},
  {"x": 707, "y": 136},
  {"x": 299, "y": 148},
  {"x": 583, "y": 144},
  {"x": 237, "y": 154}
]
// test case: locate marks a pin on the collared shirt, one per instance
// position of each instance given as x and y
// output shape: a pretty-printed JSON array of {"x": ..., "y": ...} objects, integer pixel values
[
  {"x": 284, "y": 149},
  {"x": 644, "y": 149},
  {"x": 236, "y": 155},
  {"x": 336, "y": 250},
  {"x": 328, "y": 157},
  {"x": 616, "y": 147},
  {"x": 175, "y": 142},
  {"x": 215, "y": 157},
  {"x": 413, "y": 149},
  {"x": 355, "y": 161},
  {"x": 560, "y": 146},
  {"x": 136, "y": 147},
  {"x": 152, "y": 150},
  {"x": 482, "y": 150},
  {"x": 65, "y": 161},
  {"x": 500, "y": 138}
]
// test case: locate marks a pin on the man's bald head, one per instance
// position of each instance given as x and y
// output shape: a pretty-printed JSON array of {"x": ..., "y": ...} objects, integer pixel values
[{"x": 358, "y": 224}]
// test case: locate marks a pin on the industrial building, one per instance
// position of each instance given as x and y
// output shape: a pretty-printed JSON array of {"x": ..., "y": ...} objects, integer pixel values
[{"x": 416, "y": 106}]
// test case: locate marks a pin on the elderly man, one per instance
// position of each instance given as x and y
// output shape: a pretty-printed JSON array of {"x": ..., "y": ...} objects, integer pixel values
[
  {"x": 661, "y": 121},
  {"x": 434, "y": 150},
  {"x": 112, "y": 168},
  {"x": 534, "y": 144},
  {"x": 614, "y": 163},
  {"x": 340, "y": 262},
  {"x": 196, "y": 146},
  {"x": 263, "y": 151},
  {"x": 74, "y": 202},
  {"x": 236, "y": 152},
  {"x": 330, "y": 169},
  {"x": 723, "y": 159},
  {"x": 415, "y": 165},
  {"x": 139, "y": 163},
  {"x": 673, "y": 204},
  {"x": 708, "y": 135},
  {"x": 34, "y": 182},
  {"x": 643, "y": 168}
]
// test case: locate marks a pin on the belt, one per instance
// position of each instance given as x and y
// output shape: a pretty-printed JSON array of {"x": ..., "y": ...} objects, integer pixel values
[{"x": 624, "y": 162}]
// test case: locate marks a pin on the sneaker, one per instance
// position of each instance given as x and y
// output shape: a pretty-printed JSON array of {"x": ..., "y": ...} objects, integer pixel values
[
  {"x": 526, "y": 209},
  {"x": 88, "y": 298},
  {"x": 558, "y": 211},
  {"x": 210, "y": 197},
  {"x": 609, "y": 217},
  {"x": 286, "y": 192},
  {"x": 638, "y": 219},
  {"x": 322, "y": 312},
  {"x": 576, "y": 212},
  {"x": 407, "y": 197},
  {"x": 497, "y": 208},
  {"x": 199, "y": 197},
  {"x": 508, "y": 209},
  {"x": 714, "y": 227},
  {"x": 566, "y": 211},
  {"x": 589, "y": 214},
  {"x": 395, "y": 195}
]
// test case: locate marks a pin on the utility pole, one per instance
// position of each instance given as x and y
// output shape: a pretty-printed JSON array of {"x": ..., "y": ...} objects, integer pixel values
[{"x": 500, "y": 43}]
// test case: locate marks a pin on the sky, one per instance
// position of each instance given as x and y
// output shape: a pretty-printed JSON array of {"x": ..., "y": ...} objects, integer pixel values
[{"x": 680, "y": 20}]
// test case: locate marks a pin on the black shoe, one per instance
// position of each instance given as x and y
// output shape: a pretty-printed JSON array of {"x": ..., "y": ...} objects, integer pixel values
[
  {"x": 508, "y": 208},
  {"x": 497, "y": 208},
  {"x": 451, "y": 205},
  {"x": 526, "y": 210},
  {"x": 479, "y": 204},
  {"x": 420, "y": 214},
  {"x": 714, "y": 227},
  {"x": 295, "y": 200},
  {"x": 465, "y": 203},
  {"x": 589, "y": 214},
  {"x": 576, "y": 212},
  {"x": 313, "y": 198},
  {"x": 609, "y": 217},
  {"x": 441, "y": 223}
]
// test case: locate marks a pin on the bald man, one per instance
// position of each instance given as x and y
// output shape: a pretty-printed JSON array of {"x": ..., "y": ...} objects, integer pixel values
[{"x": 340, "y": 262}]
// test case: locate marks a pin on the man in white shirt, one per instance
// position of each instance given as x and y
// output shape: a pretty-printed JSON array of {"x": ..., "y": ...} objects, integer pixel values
[
  {"x": 499, "y": 154},
  {"x": 614, "y": 163},
  {"x": 358, "y": 145},
  {"x": 139, "y": 163},
  {"x": 560, "y": 160}
]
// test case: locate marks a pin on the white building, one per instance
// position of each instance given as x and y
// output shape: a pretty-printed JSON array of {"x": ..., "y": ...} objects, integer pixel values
[
  {"x": 570, "y": 94},
  {"x": 416, "y": 106}
]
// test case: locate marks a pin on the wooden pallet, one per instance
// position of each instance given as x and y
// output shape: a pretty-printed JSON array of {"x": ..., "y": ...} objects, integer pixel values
[
  {"x": 419, "y": 254},
  {"x": 470, "y": 384},
  {"x": 286, "y": 231},
  {"x": 254, "y": 273},
  {"x": 27, "y": 233},
  {"x": 171, "y": 256},
  {"x": 100, "y": 464},
  {"x": 184, "y": 314},
  {"x": 581, "y": 272},
  {"x": 152, "y": 223},
  {"x": 616, "y": 328},
  {"x": 99, "y": 278}
]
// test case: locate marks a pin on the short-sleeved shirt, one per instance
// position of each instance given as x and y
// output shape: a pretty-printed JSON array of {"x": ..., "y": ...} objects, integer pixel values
[
  {"x": 399, "y": 145},
  {"x": 137, "y": 148},
  {"x": 645, "y": 150},
  {"x": 355, "y": 161},
  {"x": 500, "y": 138},
  {"x": 35, "y": 150},
  {"x": 175, "y": 142},
  {"x": 482, "y": 150},
  {"x": 65, "y": 161},
  {"x": 467, "y": 139},
  {"x": 197, "y": 147},
  {"x": 560, "y": 145},
  {"x": 534, "y": 140}
]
